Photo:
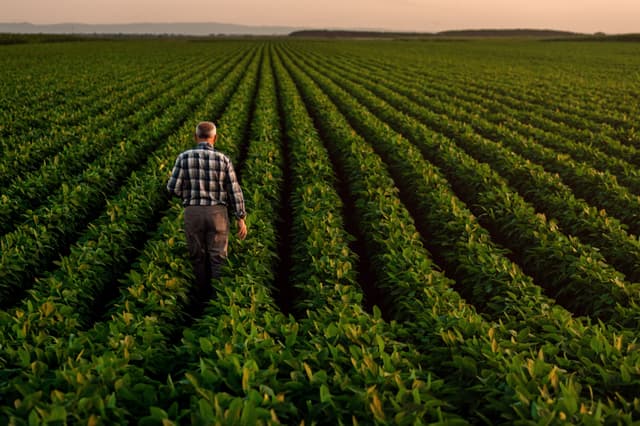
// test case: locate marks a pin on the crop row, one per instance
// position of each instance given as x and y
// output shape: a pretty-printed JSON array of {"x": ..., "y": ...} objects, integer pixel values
[
  {"x": 545, "y": 190},
  {"x": 479, "y": 265},
  {"x": 477, "y": 348},
  {"x": 599, "y": 151},
  {"x": 359, "y": 346},
  {"x": 73, "y": 387},
  {"x": 219, "y": 357},
  {"x": 600, "y": 116},
  {"x": 247, "y": 361},
  {"x": 537, "y": 121},
  {"x": 271, "y": 367},
  {"x": 401, "y": 265},
  {"x": 54, "y": 97},
  {"x": 557, "y": 99},
  {"x": 536, "y": 242},
  {"x": 33, "y": 139},
  {"x": 34, "y": 243},
  {"x": 25, "y": 149},
  {"x": 355, "y": 184},
  {"x": 95, "y": 142},
  {"x": 582, "y": 145}
]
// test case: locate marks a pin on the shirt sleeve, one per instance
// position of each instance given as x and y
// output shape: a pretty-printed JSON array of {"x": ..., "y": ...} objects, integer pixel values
[
  {"x": 236, "y": 199},
  {"x": 174, "y": 186}
]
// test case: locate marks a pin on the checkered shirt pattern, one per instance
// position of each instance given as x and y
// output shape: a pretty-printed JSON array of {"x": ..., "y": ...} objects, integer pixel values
[{"x": 205, "y": 177}]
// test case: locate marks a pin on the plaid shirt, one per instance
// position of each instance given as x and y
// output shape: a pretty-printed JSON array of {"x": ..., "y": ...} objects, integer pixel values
[{"x": 204, "y": 177}]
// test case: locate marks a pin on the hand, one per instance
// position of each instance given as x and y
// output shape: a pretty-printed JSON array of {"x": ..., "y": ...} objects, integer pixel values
[{"x": 242, "y": 229}]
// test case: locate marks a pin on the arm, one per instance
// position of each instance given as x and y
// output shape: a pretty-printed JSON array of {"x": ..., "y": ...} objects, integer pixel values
[
  {"x": 242, "y": 229},
  {"x": 174, "y": 186},
  {"x": 236, "y": 199}
]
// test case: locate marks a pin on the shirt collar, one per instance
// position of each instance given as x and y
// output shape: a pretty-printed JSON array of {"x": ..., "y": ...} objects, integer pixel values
[{"x": 205, "y": 145}]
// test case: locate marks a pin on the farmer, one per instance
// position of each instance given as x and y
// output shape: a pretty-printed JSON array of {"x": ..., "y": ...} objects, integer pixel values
[{"x": 205, "y": 180}]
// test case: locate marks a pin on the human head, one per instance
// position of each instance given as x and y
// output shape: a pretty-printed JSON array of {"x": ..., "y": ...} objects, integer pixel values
[{"x": 206, "y": 131}]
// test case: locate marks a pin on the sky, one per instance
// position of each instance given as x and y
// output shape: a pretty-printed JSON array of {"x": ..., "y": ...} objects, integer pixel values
[{"x": 588, "y": 16}]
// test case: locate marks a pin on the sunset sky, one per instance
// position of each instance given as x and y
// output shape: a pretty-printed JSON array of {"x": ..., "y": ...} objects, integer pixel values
[{"x": 610, "y": 16}]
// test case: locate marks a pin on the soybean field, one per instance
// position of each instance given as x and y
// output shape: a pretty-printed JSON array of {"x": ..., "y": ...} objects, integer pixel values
[{"x": 440, "y": 232}]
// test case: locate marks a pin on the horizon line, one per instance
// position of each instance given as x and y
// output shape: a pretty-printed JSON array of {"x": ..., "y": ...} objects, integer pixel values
[{"x": 314, "y": 28}]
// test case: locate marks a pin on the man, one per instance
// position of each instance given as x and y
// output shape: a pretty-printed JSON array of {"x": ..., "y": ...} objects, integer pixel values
[{"x": 206, "y": 181}]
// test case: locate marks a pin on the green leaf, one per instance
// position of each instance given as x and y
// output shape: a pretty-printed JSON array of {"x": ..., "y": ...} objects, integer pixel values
[
  {"x": 34, "y": 419},
  {"x": 158, "y": 413},
  {"x": 206, "y": 411},
  {"x": 249, "y": 414},
  {"x": 380, "y": 342},
  {"x": 58, "y": 413},
  {"x": 331, "y": 330},
  {"x": 325, "y": 394},
  {"x": 377, "y": 313}
]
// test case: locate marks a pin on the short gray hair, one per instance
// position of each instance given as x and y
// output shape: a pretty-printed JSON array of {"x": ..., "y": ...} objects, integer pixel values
[{"x": 205, "y": 130}]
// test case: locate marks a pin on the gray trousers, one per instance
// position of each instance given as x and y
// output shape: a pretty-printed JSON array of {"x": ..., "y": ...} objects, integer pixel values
[{"x": 207, "y": 233}]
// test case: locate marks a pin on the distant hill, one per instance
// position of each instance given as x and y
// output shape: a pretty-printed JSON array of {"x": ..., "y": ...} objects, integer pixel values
[
  {"x": 631, "y": 37},
  {"x": 193, "y": 28},
  {"x": 355, "y": 34},
  {"x": 75, "y": 31},
  {"x": 443, "y": 34},
  {"x": 508, "y": 33}
]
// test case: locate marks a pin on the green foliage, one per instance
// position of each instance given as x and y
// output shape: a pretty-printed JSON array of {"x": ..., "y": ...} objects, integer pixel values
[{"x": 459, "y": 220}]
